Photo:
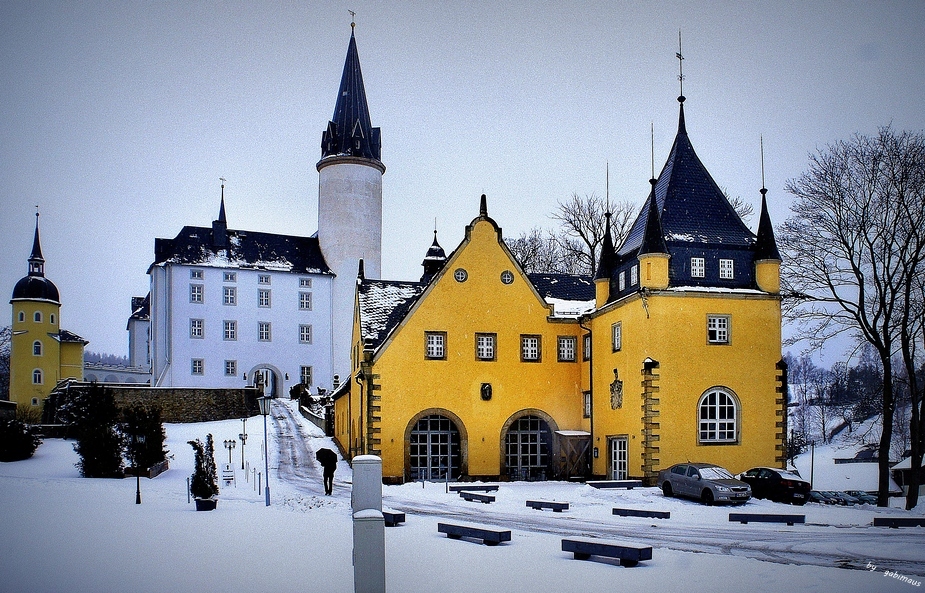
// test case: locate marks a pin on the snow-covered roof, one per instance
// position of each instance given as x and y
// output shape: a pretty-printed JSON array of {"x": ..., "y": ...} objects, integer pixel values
[
  {"x": 570, "y": 309},
  {"x": 383, "y": 304}
]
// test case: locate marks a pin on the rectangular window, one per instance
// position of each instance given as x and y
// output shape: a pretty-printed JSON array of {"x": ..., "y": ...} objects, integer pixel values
[
  {"x": 231, "y": 368},
  {"x": 567, "y": 347},
  {"x": 263, "y": 278},
  {"x": 197, "y": 366},
  {"x": 634, "y": 275},
  {"x": 435, "y": 345},
  {"x": 718, "y": 329},
  {"x": 622, "y": 280},
  {"x": 616, "y": 336},
  {"x": 229, "y": 295},
  {"x": 263, "y": 331},
  {"x": 698, "y": 268},
  {"x": 725, "y": 269},
  {"x": 230, "y": 330},
  {"x": 195, "y": 293},
  {"x": 305, "y": 375},
  {"x": 586, "y": 347},
  {"x": 229, "y": 277},
  {"x": 305, "y": 334},
  {"x": 195, "y": 274},
  {"x": 530, "y": 348},
  {"x": 485, "y": 346},
  {"x": 305, "y": 283},
  {"x": 195, "y": 328},
  {"x": 587, "y": 404},
  {"x": 263, "y": 297},
  {"x": 305, "y": 301}
]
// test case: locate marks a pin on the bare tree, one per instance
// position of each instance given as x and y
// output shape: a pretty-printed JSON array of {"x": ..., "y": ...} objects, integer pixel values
[
  {"x": 854, "y": 260},
  {"x": 6, "y": 335},
  {"x": 537, "y": 251},
  {"x": 582, "y": 224}
]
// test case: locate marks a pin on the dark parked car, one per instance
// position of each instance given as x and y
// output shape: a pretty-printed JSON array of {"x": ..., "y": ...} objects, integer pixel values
[
  {"x": 816, "y": 496},
  {"x": 841, "y": 498},
  {"x": 863, "y": 497},
  {"x": 703, "y": 481},
  {"x": 777, "y": 484}
]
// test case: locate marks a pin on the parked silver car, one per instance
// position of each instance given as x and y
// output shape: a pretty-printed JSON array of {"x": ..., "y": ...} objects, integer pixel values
[{"x": 703, "y": 481}]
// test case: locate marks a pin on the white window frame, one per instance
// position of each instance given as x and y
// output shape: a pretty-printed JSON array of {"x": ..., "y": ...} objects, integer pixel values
[
  {"x": 305, "y": 283},
  {"x": 586, "y": 347},
  {"x": 718, "y": 417},
  {"x": 195, "y": 274},
  {"x": 531, "y": 348},
  {"x": 621, "y": 280},
  {"x": 435, "y": 345},
  {"x": 263, "y": 279},
  {"x": 305, "y": 334},
  {"x": 616, "y": 336},
  {"x": 698, "y": 267},
  {"x": 719, "y": 329},
  {"x": 726, "y": 269},
  {"x": 586, "y": 396},
  {"x": 634, "y": 275},
  {"x": 485, "y": 346},
  {"x": 231, "y": 368},
  {"x": 305, "y": 375},
  {"x": 196, "y": 329},
  {"x": 230, "y": 295},
  {"x": 305, "y": 301},
  {"x": 264, "y": 331},
  {"x": 229, "y": 330},
  {"x": 229, "y": 277},
  {"x": 263, "y": 298},
  {"x": 567, "y": 345},
  {"x": 197, "y": 293},
  {"x": 197, "y": 366}
]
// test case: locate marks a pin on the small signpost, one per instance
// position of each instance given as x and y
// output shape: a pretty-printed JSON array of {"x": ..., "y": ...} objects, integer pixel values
[{"x": 228, "y": 474}]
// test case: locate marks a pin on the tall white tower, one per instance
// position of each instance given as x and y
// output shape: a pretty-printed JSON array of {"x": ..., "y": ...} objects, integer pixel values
[{"x": 349, "y": 200}]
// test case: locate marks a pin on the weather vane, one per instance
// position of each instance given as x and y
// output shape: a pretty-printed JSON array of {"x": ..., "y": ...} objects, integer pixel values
[
  {"x": 222, "y": 179},
  {"x": 680, "y": 65},
  {"x": 353, "y": 19},
  {"x": 764, "y": 190}
]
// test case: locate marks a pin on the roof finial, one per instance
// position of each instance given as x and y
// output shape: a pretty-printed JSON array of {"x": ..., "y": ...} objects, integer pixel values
[
  {"x": 764, "y": 190},
  {"x": 353, "y": 19},
  {"x": 680, "y": 68},
  {"x": 483, "y": 206},
  {"x": 652, "y": 158}
]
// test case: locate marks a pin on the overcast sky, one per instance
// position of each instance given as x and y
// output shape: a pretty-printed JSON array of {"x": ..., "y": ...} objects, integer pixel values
[{"x": 118, "y": 119}]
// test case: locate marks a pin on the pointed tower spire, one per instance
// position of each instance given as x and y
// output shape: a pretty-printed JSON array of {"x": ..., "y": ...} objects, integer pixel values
[
  {"x": 220, "y": 226},
  {"x": 483, "y": 206},
  {"x": 765, "y": 243},
  {"x": 434, "y": 260},
  {"x": 653, "y": 240},
  {"x": 607, "y": 260},
  {"x": 682, "y": 128},
  {"x": 36, "y": 261},
  {"x": 350, "y": 131}
]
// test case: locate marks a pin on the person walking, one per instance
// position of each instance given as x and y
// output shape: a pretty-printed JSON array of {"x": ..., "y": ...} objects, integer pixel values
[{"x": 328, "y": 460}]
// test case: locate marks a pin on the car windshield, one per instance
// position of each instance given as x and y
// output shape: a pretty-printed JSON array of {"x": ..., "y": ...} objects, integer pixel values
[
  {"x": 714, "y": 473},
  {"x": 790, "y": 476}
]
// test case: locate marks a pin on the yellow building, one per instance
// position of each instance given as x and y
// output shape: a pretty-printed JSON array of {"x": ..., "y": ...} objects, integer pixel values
[
  {"x": 41, "y": 353},
  {"x": 671, "y": 353}
]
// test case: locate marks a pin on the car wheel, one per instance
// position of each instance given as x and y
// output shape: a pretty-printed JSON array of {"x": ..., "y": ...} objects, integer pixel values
[
  {"x": 666, "y": 489},
  {"x": 707, "y": 497}
]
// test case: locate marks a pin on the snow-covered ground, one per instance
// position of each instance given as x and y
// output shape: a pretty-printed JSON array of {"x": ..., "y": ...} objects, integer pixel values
[{"x": 63, "y": 533}]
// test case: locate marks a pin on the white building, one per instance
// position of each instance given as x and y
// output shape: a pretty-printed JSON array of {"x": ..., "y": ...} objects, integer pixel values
[{"x": 227, "y": 306}]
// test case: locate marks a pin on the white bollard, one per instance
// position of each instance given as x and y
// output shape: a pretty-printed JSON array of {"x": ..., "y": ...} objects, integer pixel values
[
  {"x": 368, "y": 525},
  {"x": 368, "y": 551},
  {"x": 367, "y": 483}
]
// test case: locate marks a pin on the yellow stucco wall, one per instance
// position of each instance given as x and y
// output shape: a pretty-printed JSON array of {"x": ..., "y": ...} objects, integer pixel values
[{"x": 23, "y": 362}]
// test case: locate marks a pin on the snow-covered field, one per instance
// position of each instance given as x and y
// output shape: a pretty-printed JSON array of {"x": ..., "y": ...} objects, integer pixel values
[{"x": 63, "y": 533}]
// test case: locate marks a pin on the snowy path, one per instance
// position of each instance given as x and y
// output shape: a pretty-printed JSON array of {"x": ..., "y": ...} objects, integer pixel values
[{"x": 693, "y": 528}]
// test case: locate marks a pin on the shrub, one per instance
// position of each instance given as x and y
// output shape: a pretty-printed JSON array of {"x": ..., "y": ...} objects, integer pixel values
[
  {"x": 17, "y": 441},
  {"x": 94, "y": 416},
  {"x": 204, "y": 482},
  {"x": 140, "y": 420}
]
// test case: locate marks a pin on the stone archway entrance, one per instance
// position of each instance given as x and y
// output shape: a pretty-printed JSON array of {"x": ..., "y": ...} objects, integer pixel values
[
  {"x": 434, "y": 449},
  {"x": 528, "y": 449}
]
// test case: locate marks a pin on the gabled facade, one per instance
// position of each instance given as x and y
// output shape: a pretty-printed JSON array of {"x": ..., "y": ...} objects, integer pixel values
[{"x": 41, "y": 353}]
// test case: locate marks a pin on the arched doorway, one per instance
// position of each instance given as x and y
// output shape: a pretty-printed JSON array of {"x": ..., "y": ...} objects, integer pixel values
[
  {"x": 434, "y": 449},
  {"x": 528, "y": 449}
]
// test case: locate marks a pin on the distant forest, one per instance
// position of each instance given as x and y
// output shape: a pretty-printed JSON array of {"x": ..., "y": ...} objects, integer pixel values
[{"x": 105, "y": 358}]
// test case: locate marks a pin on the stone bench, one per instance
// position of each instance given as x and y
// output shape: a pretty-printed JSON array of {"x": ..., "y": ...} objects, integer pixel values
[
  {"x": 627, "y": 484},
  {"x": 488, "y": 535},
  {"x": 640, "y": 513},
  {"x": 474, "y": 487},
  {"x": 392, "y": 518},
  {"x": 476, "y": 496},
  {"x": 895, "y": 522},
  {"x": 557, "y": 507},
  {"x": 745, "y": 518},
  {"x": 628, "y": 554}
]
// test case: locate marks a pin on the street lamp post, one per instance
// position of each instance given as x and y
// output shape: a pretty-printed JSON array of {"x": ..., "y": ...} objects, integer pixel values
[
  {"x": 137, "y": 441},
  {"x": 230, "y": 444},
  {"x": 264, "y": 403},
  {"x": 243, "y": 437}
]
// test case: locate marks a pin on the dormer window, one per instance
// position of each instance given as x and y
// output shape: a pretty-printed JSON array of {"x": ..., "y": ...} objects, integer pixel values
[
  {"x": 229, "y": 277},
  {"x": 622, "y": 280},
  {"x": 195, "y": 274},
  {"x": 634, "y": 275},
  {"x": 698, "y": 267},
  {"x": 725, "y": 269}
]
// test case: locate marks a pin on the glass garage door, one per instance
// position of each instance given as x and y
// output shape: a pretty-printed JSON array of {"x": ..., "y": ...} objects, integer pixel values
[
  {"x": 527, "y": 446},
  {"x": 434, "y": 449}
]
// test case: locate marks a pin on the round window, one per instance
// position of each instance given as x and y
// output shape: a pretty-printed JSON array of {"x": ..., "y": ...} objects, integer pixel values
[
  {"x": 507, "y": 277},
  {"x": 460, "y": 274}
]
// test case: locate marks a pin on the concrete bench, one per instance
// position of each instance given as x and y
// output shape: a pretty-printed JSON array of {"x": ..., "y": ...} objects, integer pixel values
[
  {"x": 476, "y": 497},
  {"x": 488, "y": 535},
  {"x": 557, "y": 507},
  {"x": 474, "y": 487},
  {"x": 628, "y": 554},
  {"x": 744, "y": 518},
  {"x": 639, "y": 513},
  {"x": 895, "y": 522},
  {"x": 628, "y": 484},
  {"x": 392, "y": 518}
]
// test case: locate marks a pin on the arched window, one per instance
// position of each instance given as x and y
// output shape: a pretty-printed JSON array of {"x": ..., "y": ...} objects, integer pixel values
[
  {"x": 717, "y": 417},
  {"x": 51, "y": 319},
  {"x": 37, "y": 348},
  {"x": 22, "y": 316},
  {"x": 37, "y": 377},
  {"x": 37, "y": 317}
]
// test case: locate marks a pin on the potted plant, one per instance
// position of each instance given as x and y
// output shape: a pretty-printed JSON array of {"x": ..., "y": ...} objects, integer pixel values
[{"x": 204, "y": 481}]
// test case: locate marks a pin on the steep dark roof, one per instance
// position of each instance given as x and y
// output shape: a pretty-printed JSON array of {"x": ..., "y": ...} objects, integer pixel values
[
  {"x": 246, "y": 249},
  {"x": 141, "y": 309},
  {"x": 36, "y": 288},
  {"x": 65, "y": 336},
  {"x": 608, "y": 257},
  {"x": 766, "y": 244},
  {"x": 567, "y": 287},
  {"x": 383, "y": 304},
  {"x": 350, "y": 131},
  {"x": 693, "y": 208},
  {"x": 653, "y": 239},
  {"x": 434, "y": 260}
]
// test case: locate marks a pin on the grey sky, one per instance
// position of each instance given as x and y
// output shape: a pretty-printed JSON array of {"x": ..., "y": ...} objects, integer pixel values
[{"x": 119, "y": 118}]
